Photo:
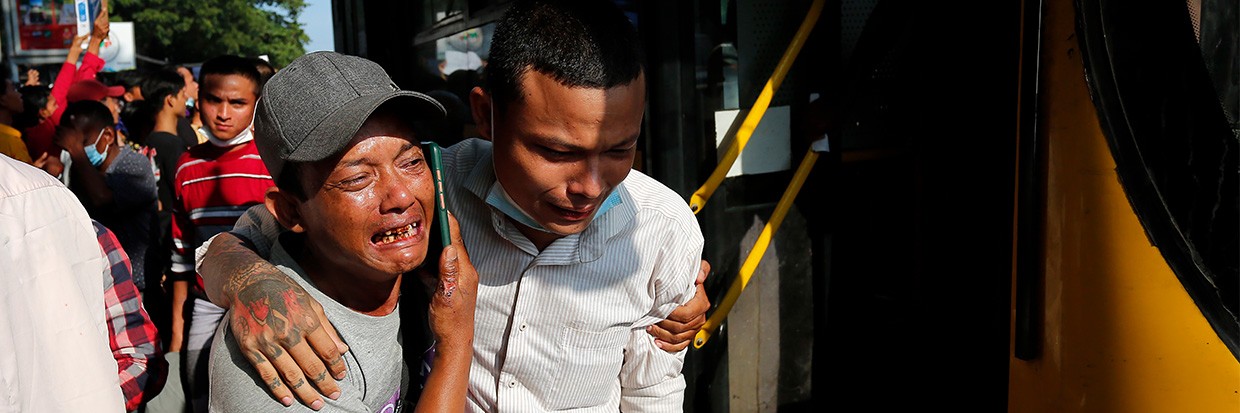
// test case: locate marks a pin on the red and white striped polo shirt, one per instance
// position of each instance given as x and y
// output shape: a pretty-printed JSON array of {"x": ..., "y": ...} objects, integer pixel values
[{"x": 214, "y": 186}]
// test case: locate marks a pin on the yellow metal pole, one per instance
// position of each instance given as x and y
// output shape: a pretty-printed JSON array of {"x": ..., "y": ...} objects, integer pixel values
[
  {"x": 759, "y": 249},
  {"x": 698, "y": 200}
]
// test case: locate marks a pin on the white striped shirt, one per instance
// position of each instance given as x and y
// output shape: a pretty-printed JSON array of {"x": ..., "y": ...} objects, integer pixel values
[{"x": 564, "y": 328}]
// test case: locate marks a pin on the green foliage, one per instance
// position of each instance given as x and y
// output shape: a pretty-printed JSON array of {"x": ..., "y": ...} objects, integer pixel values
[{"x": 188, "y": 31}]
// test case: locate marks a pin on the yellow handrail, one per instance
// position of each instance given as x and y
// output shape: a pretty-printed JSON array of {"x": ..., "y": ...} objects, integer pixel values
[
  {"x": 759, "y": 249},
  {"x": 698, "y": 200}
]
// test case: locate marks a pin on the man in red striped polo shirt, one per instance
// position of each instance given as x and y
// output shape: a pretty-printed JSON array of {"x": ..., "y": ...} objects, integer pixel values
[{"x": 216, "y": 181}]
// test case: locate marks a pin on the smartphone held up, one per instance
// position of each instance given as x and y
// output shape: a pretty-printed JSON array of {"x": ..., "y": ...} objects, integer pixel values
[{"x": 435, "y": 159}]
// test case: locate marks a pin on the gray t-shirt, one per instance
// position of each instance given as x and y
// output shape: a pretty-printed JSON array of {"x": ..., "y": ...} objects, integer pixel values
[{"x": 376, "y": 372}]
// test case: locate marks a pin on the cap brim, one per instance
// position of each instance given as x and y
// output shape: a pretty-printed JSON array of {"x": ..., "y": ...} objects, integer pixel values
[
  {"x": 335, "y": 131},
  {"x": 115, "y": 91}
]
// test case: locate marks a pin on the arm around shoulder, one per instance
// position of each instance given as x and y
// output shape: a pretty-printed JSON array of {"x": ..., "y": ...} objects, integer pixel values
[
  {"x": 302, "y": 345},
  {"x": 228, "y": 257}
]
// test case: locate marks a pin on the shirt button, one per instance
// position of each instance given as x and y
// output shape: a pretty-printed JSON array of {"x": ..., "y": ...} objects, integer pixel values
[
  {"x": 512, "y": 384},
  {"x": 523, "y": 326}
]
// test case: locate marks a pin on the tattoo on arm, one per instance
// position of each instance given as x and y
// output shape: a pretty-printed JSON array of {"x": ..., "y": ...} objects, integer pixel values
[{"x": 239, "y": 263}]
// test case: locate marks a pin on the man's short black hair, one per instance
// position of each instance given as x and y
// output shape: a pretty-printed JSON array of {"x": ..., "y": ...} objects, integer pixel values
[
  {"x": 107, "y": 78},
  {"x": 231, "y": 65},
  {"x": 129, "y": 78},
  {"x": 87, "y": 116},
  {"x": 162, "y": 83},
  {"x": 579, "y": 43},
  {"x": 159, "y": 84},
  {"x": 34, "y": 99}
]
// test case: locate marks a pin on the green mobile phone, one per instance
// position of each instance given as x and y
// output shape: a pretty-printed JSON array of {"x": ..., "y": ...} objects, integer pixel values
[{"x": 435, "y": 159}]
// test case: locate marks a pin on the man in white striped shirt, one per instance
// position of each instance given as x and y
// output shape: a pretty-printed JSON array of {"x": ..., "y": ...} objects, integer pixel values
[
  {"x": 577, "y": 254},
  {"x": 581, "y": 252}
]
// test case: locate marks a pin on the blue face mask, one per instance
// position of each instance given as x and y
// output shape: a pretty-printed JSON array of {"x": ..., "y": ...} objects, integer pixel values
[{"x": 93, "y": 154}]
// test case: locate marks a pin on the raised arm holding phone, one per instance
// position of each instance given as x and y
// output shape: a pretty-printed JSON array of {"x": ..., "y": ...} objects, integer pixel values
[{"x": 39, "y": 136}]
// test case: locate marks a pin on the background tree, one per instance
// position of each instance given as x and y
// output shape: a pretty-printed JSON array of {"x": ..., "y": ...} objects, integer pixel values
[{"x": 188, "y": 31}]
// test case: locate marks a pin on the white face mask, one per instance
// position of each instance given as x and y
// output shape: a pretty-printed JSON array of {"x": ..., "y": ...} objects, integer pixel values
[{"x": 243, "y": 137}]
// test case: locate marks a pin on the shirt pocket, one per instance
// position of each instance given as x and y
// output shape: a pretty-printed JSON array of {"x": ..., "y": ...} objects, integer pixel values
[{"x": 587, "y": 370}]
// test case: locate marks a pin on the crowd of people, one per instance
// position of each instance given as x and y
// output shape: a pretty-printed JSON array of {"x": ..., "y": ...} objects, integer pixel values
[{"x": 242, "y": 233}]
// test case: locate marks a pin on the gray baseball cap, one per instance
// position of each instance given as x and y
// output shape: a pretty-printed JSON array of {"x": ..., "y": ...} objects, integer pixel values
[{"x": 310, "y": 110}]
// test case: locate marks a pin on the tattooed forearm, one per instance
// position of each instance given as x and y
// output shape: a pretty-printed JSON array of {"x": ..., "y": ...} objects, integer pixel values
[
  {"x": 229, "y": 264},
  {"x": 239, "y": 264},
  {"x": 242, "y": 275}
]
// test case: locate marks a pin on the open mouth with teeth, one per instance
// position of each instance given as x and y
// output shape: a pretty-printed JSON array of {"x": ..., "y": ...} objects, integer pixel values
[{"x": 395, "y": 234}]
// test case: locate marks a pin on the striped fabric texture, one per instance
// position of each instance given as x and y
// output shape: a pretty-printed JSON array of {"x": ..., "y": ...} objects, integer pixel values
[
  {"x": 132, "y": 334},
  {"x": 564, "y": 328},
  {"x": 214, "y": 186}
]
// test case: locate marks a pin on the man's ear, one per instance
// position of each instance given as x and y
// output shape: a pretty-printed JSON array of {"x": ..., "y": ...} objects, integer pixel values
[
  {"x": 133, "y": 94},
  {"x": 109, "y": 135},
  {"x": 170, "y": 101},
  {"x": 480, "y": 105},
  {"x": 284, "y": 206}
]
